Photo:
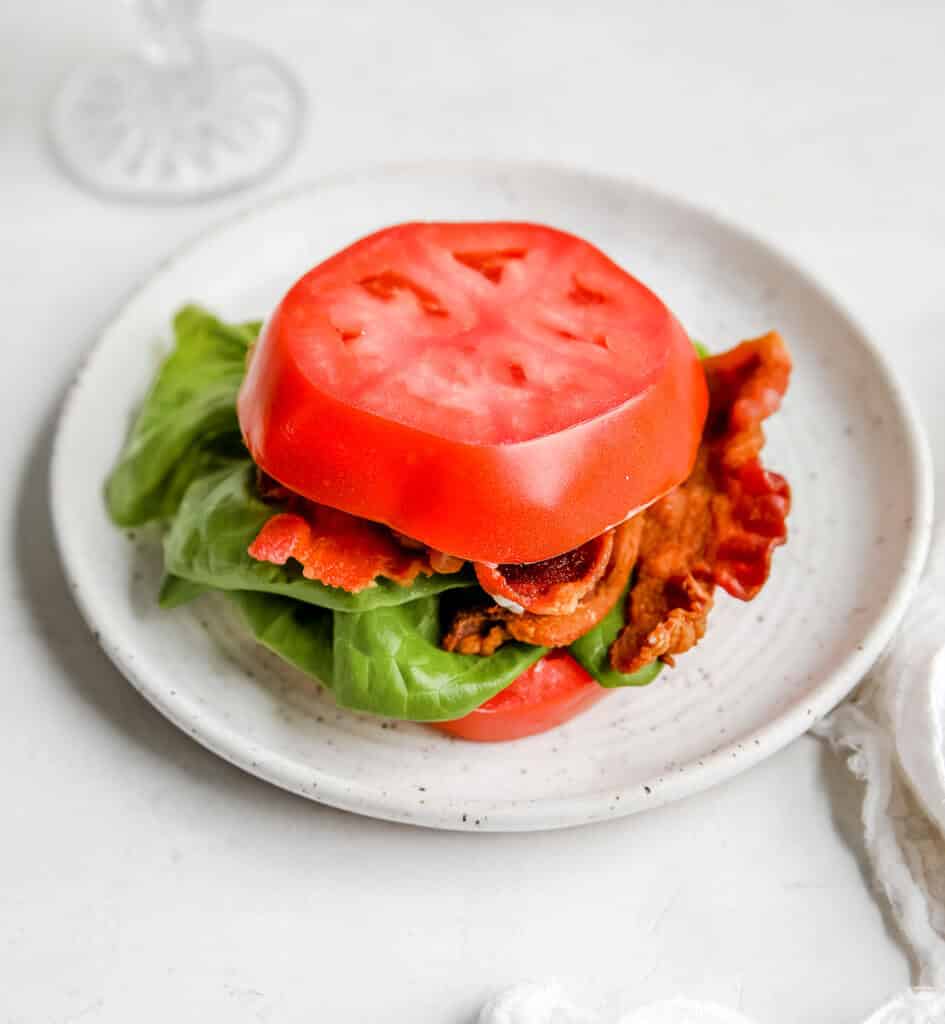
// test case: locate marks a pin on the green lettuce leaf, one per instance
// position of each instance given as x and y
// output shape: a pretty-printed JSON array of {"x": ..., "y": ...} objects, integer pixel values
[
  {"x": 300, "y": 634},
  {"x": 176, "y": 591},
  {"x": 220, "y": 517},
  {"x": 386, "y": 661},
  {"x": 593, "y": 651},
  {"x": 187, "y": 426},
  {"x": 389, "y": 661}
]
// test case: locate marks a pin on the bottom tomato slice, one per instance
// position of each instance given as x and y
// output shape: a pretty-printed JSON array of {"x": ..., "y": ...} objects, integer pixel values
[{"x": 552, "y": 691}]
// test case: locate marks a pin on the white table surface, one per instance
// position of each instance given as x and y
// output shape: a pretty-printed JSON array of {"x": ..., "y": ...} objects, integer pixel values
[{"x": 145, "y": 880}]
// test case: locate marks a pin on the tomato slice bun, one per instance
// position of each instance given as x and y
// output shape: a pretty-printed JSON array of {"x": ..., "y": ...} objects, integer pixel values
[{"x": 500, "y": 392}]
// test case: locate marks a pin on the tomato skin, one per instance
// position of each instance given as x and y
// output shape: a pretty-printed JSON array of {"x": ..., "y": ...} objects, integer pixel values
[
  {"x": 551, "y": 692},
  {"x": 502, "y": 501}
]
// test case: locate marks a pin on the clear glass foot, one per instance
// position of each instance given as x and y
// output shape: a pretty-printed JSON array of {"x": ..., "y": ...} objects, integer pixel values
[{"x": 215, "y": 116}]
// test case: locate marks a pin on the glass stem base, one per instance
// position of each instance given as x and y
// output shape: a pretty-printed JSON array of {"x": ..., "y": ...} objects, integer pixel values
[{"x": 135, "y": 129}]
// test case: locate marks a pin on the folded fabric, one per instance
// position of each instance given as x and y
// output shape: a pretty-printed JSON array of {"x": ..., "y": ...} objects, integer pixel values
[
  {"x": 536, "y": 1003},
  {"x": 894, "y": 729}
]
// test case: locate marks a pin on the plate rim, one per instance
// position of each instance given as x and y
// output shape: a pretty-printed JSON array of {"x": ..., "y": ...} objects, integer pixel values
[{"x": 542, "y": 813}]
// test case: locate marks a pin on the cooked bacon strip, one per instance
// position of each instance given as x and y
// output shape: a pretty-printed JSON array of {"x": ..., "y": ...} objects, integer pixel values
[
  {"x": 482, "y": 630},
  {"x": 341, "y": 550},
  {"x": 746, "y": 385},
  {"x": 439, "y": 562},
  {"x": 479, "y": 630},
  {"x": 749, "y": 523},
  {"x": 669, "y": 603},
  {"x": 670, "y": 616},
  {"x": 442, "y": 563},
  {"x": 338, "y": 549},
  {"x": 554, "y": 586},
  {"x": 721, "y": 526}
]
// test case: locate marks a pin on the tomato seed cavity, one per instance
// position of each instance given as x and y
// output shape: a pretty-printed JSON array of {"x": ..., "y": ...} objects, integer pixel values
[
  {"x": 599, "y": 339},
  {"x": 386, "y": 284},
  {"x": 346, "y": 334},
  {"x": 584, "y": 296},
  {"x": 491, "y": 264}
]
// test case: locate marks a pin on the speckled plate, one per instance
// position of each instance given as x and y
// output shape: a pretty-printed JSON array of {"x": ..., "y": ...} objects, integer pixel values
[{"x": 846, "y": 439}]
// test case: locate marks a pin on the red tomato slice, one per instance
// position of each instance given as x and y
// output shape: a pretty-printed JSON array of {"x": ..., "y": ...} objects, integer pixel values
[
  {"x": 552, "y": 691},
  {"x": 501, "y": 392}
]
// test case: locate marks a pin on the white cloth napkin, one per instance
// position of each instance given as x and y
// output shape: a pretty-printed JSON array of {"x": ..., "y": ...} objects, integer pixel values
[
  {"x": 546, "y": 1004},
  {"x": 893, "y": 728}
]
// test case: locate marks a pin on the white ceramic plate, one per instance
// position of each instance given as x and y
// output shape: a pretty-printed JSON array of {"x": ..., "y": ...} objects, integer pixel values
[{"x": 846, "y": 439}]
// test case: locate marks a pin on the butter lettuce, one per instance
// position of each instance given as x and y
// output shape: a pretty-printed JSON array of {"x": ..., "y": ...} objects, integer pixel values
[
  {"x": 187, "y": 425},
  {"x": 389, "y": 660},
  {"x": 176, "y": 591},
  {"x": 386, "y": 661},
  {"x": 299, "y": 633}
]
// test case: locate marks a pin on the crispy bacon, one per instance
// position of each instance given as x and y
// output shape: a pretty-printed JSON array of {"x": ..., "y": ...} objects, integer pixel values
[
  {"x": 668, "y": 617},
  {"x": 442, "y": 562},
  {"x": 478, "y": 630},
  {"x": 746, "y": 385},
  {"x": 338, "y": 549},
  {"x": 482, "y": 630},
  {"x": 721, "y": 526},
  {"x": 554, "y": 586},
  {"x": 750, "y": 521},
  {"x": 341, "y": 550}
]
